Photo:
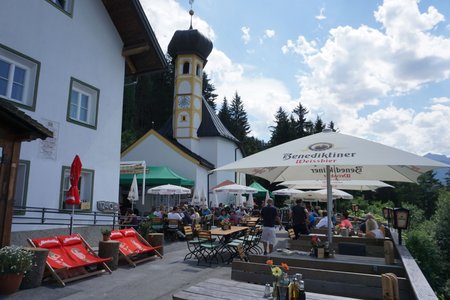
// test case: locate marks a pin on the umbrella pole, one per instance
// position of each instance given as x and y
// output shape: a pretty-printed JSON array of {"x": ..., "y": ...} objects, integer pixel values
[
  {"x": 71, "y": 219},
  {"x": 329, "y": 207}
]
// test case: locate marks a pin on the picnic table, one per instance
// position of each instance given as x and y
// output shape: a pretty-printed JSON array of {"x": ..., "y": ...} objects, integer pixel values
[{"x": 214, "y": 288}]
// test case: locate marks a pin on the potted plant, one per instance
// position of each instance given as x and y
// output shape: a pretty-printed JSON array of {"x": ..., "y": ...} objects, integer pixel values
[
  {"x": 226, "y": 224},
  {"x": 106, "y": 232},
  {"x": 14, "y": 262}
]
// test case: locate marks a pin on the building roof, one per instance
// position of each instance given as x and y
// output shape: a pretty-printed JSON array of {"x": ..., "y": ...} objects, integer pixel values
[
  {"x": 211, "y": 126},
  {"x": 188, "y": 42},
  {"x": 140, "y": 46},
  {"x": 24, "y": 127}
]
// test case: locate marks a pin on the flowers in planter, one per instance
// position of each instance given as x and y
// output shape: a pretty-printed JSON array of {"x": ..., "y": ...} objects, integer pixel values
[
  {"x": 15, "y": 259},
  {"x": 277, "y": 272}
]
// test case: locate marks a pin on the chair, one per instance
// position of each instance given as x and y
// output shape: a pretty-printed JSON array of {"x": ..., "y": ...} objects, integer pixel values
[
  {"x": 291, "y": 233},
  {"x": 70, "y": 258},
  {"x": 192, "y": 244},
  {"x": 133, "y": 247},
  {"x": 208, "y": 247},
  {"x": 172, "y": 229},
  {"x": 157, "y": 225}
]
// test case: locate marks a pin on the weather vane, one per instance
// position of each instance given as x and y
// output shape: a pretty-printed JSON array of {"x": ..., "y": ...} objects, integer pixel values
[{"x": 191, "y": 12}]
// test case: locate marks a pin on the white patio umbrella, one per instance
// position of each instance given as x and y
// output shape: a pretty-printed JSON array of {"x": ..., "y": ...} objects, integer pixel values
[
  {"x": 250, "y": 202},
  {"x": 169, "y": 189},
  {"x": 238, "y": 190},
  {"x": 133, "y": 194},
  {"x": 322, "y": 195},
  {"x": 195, "y": 197},
  {"x": 358, "y": 185},
  {"x": 330, "y": 155},
  {"x": 287, "y": 192}
]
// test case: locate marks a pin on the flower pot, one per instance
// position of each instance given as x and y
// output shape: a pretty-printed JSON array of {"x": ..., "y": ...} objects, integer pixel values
[{"x": 10, "y": 282}]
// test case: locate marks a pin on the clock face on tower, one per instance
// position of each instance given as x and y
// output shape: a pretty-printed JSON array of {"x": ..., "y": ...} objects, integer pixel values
[{"x": 184, "y": 101}]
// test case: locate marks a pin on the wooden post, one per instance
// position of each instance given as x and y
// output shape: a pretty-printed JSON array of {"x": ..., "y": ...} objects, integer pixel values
[
  {"x": 33, "y": 278},
  {"x": 108, "y": 249},
  {"x": 389, "y": 252},
  {"x": 156, "y": 239}
]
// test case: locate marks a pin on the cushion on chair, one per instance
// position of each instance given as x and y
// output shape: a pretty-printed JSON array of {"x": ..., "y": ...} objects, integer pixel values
[
  {"x": 116, "y": 234},
  {"x": 48, "y": 242},
  {"x": 67, "y": 240},
  {"x": 128, "y": 232}
]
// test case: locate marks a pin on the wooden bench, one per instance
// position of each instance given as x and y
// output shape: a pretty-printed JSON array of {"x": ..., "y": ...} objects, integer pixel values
[
  {"x": 342, "y": 263},
  {"x": 373, "y": 247},
  {"x": 344, "y": 284}
]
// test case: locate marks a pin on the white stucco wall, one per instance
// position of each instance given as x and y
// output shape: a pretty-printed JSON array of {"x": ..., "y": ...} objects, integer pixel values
[{"x": 87, "y": 47}]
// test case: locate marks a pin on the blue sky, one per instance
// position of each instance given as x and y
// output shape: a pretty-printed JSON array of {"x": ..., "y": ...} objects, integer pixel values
[{"x": 378, "y": 69}]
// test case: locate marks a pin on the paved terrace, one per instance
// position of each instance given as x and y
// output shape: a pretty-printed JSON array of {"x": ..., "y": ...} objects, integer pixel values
[{"x": 158, "y": 279}]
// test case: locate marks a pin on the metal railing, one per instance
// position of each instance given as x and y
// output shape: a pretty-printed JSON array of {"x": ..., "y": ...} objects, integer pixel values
[{"x": 62, "y": 217}]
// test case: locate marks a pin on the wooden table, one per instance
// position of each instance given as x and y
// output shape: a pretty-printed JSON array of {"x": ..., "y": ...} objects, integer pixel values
[
  {"x": 233, "y": 230},
  {"x": 214, "y": 288}
]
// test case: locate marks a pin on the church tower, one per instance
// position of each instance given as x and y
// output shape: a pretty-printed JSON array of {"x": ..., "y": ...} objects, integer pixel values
[{"x": 190, "y": 49}]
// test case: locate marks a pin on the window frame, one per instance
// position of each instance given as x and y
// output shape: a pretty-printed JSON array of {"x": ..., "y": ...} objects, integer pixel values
[
  {"x": 32, "y": 68},
  {"x": 69, "y": 7},
  {"x": 94, "y": 93},
  {"x": 24, "y": 185},
  {"x": 65, "y": 175}
]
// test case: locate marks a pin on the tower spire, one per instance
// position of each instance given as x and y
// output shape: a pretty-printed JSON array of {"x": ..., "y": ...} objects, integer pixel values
[{"x": 191, "y": 12}]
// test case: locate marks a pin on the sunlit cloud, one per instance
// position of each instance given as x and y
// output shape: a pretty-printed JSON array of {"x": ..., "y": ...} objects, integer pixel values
[{"x": 245, "y": 34}]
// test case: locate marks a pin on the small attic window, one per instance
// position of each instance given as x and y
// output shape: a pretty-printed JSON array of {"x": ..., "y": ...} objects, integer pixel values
[
  {"x": 198, "y": 71},
  {"x": 186, "y": 68}
]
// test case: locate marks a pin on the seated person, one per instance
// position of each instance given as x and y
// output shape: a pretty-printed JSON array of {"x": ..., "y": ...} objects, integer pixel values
[
  {"x": 223, "y": 216},
  {"x": 345, "y": 222},
  {"x": 323, "y": 223},
  {"x": 128, "y": 218},
  {"x": 362, "y": 226},
  {"x": 372, "y": 230}
]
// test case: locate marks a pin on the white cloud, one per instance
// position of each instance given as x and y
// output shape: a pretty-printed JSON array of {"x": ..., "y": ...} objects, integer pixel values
[
  {"x": 358, "y": 67},
  {"x": 440, "y": 100},
  {"x": 321, "y": 15},
  {"x": 269, "y": 33},
  {"x": 245, "y": 34}
]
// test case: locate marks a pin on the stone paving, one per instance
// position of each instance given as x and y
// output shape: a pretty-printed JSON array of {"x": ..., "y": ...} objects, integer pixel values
[{"x": 158, "y": 279}]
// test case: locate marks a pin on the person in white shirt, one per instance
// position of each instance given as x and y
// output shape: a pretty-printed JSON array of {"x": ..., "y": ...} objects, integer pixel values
[
  {"x": 323, "y": 223},
  {"x": 174, "y": 215}
]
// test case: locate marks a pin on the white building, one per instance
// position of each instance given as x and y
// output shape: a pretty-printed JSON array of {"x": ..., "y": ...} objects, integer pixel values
[
  {"x": 64, "y": 64},
  {"x": 194, "y": 141}
]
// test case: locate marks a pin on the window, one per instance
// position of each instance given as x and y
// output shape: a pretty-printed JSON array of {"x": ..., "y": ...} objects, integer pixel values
[
  {"x": 65, "y": 6},
  {"x": 198, "y": 71},
  {"x": 186, "y": 68},
  {"x": 20, "y": 195},
  {"x": 83, "y": 104},
  {"x": 85, "y": 185},
  {"x": 18, "y": 78}
]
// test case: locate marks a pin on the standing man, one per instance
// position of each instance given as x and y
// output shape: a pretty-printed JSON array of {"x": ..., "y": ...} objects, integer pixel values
[
  {"x": 269, "y": 215},
  {"x": 298, "y": 216}
]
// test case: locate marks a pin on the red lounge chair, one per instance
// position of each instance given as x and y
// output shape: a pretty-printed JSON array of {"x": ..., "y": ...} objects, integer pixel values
[
  {"x": 133, "y": 245},
  {"x": 69, "y": 256}
]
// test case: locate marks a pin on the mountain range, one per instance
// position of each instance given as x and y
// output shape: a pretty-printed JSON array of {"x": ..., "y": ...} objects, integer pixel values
[{"x": 440, "y": 174}]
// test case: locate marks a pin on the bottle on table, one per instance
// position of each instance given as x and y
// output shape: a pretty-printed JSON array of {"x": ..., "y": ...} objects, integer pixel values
[{"x": 302, "y": 293}]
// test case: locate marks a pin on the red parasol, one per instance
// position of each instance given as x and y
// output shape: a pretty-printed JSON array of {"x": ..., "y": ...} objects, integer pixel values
[{"x": 73, "y": 195}]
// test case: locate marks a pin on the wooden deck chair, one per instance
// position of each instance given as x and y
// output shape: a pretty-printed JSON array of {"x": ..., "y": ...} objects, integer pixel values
[
  {"x": 70, "y": 258},
  {"x": 192, "y": 243},
  {"x": 133, "y": 246},
  {"x": 208, "y": 248}
]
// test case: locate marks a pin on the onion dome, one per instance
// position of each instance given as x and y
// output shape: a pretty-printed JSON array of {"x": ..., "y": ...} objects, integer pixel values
[{"x": 190, "y": 41}]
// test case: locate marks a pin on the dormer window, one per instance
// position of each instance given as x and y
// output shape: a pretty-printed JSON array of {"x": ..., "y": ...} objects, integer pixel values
[{"x": 186, "y": 68}]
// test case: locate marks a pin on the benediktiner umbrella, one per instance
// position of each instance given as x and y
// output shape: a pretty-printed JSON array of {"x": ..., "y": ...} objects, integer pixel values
[
  {"x": 330, "y": 155},
  {"x": 73, "y": 194}
]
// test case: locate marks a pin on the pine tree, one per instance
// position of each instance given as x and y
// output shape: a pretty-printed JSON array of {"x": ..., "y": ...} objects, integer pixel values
[
  {"x": 208, "y": 91},
  {"x": 331, "y": 126},
  {"x": 224, "y": 114},
  {"x": 280, "y": 132},
  {"x": 239, "y": 126},
  {"x": 319, "y": 126},
  {"x": 301, "y": 125}
]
